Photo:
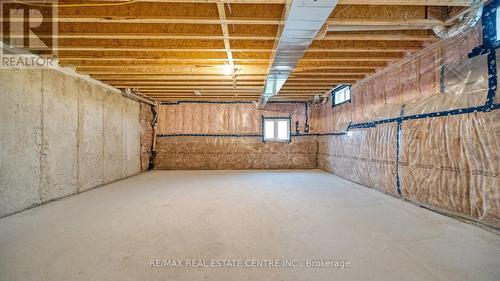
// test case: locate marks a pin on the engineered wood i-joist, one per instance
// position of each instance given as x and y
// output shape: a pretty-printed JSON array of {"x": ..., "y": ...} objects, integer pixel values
[
  {"x": 343, "y": 2},
  {"x": 185, "y": 45}
]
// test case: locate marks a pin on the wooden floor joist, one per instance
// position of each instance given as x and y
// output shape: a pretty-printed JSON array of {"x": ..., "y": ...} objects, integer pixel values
[
  {"x": 342, "y": 2},
  {"x": 168, "y": 49},
  {"x": 259, "y": 50},
  {"x": 156, "y": 36},
  {"x": 225, "y": 32}
]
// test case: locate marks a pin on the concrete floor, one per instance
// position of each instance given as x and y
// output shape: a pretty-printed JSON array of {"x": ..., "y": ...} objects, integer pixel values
[{"x": 112, "y": 232}]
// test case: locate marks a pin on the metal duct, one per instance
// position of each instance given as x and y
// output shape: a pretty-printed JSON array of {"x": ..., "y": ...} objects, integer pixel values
[
  {"x": 303, "y": 21},
  {"x": 468, "y": 21}
]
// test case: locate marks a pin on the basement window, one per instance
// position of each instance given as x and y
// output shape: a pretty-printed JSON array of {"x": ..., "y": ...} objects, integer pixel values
[
  {"x": 341, "y": 94},
  {"x": 498, "y": 25},
  {"x": 276, "y": 129}
]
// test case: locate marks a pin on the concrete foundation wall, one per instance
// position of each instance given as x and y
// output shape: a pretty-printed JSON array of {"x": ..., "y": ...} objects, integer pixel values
[{"x": 61, "y": 135}]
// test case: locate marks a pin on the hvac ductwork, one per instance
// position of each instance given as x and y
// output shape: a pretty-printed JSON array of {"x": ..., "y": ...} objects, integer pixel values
[
  {"x": 303, "y": 20},
  {"x": 468, "y": 21}
]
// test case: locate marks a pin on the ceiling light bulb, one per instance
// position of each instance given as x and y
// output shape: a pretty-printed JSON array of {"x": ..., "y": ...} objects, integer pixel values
[{"x": 227, "y": 69}]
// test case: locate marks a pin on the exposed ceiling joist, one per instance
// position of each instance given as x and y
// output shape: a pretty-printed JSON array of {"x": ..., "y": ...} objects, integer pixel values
[
  {"x": 169, "y": 53},
  {"x": 381, "y": 37},
  {"x": 260, "y": 50},
  {"x": 225, "y": 32},
  {"x": 408, "y": 23},
  {"x": 157, "y": 36},
  {"x": 408, "y": 2},
  {"x": 340, "y": 2},
  {"x": 168, "y": 67}
]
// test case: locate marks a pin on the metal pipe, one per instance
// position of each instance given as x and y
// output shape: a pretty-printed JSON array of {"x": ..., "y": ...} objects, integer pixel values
[
  {"x": 468, "y": 21},
  {"x": 128, "y": 93}
]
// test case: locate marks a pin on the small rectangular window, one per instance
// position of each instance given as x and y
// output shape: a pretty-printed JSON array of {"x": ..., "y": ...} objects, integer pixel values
[
  {"x": 268, "y": 129},
  {"x": 341, "y": 94},
  {"x": 276, "y": 128},
  {"x": 498, "y": 25}
]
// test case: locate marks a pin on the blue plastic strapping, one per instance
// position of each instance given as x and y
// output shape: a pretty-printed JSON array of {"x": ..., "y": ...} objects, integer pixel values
[
  {"x": 398, "y": 148},
  {"x": 209, "y": 135},
  {"x": 492, "y": 81}
]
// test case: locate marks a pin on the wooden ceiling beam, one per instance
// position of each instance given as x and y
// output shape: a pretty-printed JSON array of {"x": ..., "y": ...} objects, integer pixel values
[
  {"x": 356, "y": 59},
  {"x": 297, "y": 89},
  {"x": 122, "y": 84},
  {"x": 408, "y": 2},
  {"x": 229, "y": 89},
  {"x": 204, "y": 73},
  {"x": 380, "y": 37},
  {"x": 116, "y": 80},
  {"x": 153, "y": 59},
  {"x": 156, "y": 36},
  {"x": 206, "y": 91},
  {"x": 190, "y": 87},
  {"x": 341, "y": 2},
  {"x": 225, "y": 88},
  {"x": 167, "y": 69},
  {"x": 403, "y": 23},
  {"x": 149, "y": 36},
  {"x": 147, "y": 77},
  {"x": 159, "y": 20},
  {"x": 225, "y": 32},
  {"x": 260, "y": 50},
  {"x": 128, "y": 64}
]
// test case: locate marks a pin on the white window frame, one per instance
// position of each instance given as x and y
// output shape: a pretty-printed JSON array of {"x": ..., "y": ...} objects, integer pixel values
[
  {"x": 275, "y": 121},
  {"x": 339, "y": 95},
  {"x": 497, "y": 24}
]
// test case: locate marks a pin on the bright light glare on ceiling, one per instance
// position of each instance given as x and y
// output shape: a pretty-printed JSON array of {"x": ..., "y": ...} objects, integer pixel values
[{"x": 227, "y": 69}]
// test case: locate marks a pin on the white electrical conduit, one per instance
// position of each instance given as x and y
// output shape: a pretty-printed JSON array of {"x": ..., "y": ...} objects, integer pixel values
[{"x": 128, "y": 93}]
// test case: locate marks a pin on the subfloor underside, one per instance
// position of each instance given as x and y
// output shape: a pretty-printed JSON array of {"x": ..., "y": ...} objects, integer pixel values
[{"x": 249, "y": 217}]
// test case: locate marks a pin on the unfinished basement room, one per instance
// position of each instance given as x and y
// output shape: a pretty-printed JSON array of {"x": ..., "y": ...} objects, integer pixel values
[{"x": 264, "y": 140}]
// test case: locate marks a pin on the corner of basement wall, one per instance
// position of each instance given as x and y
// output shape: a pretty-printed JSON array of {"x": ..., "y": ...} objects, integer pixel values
[
  {"x": 146, "y": 119},
  {"x": 62, "y": 135},
  {"x": 447, "y": 163}
]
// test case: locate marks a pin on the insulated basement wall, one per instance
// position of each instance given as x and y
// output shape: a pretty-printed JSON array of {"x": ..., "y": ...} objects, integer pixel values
[
  {"x": 61, "y": 135},
  {"x": 146, "y": 117},
  {"x": 400, "y": 136},
  {"x": 207, "y": 135}
]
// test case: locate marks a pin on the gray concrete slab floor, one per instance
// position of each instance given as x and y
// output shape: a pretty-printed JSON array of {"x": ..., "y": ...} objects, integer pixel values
[{"x": 241, "y": 225}]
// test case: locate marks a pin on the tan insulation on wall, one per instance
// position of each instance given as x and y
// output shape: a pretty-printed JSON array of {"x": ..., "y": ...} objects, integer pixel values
[
  {"x": 224, "y": 153},
  {"x": 452, "y": 163},
  {"x": 497, "y": 96},
  {"x": 211, "y": 135},
  {"x": 447, "y": 163},
  {"x": 223, "y": 118},
  {"x": 146, "y": 119},
  {"x": 414, "y": 82},
  {"x": 364, "y": 156}
]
